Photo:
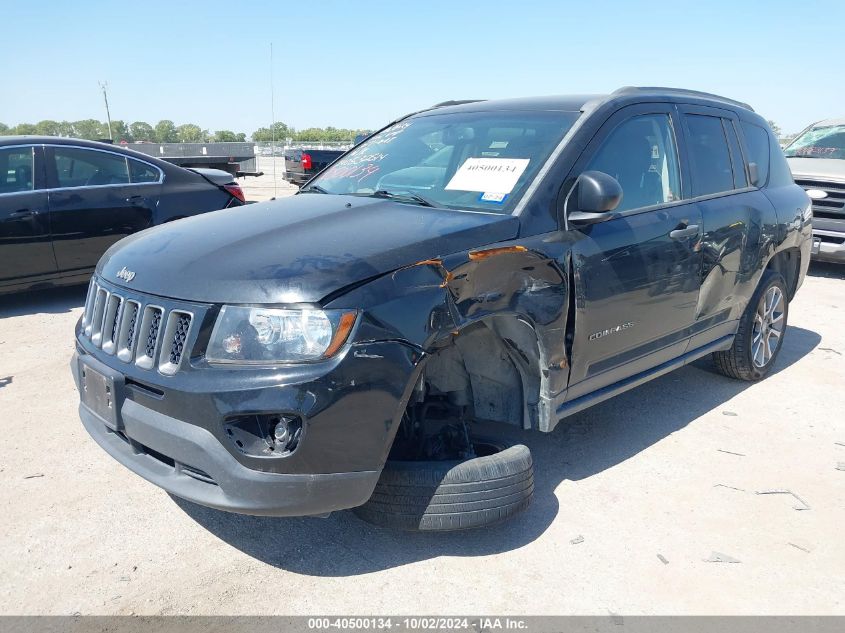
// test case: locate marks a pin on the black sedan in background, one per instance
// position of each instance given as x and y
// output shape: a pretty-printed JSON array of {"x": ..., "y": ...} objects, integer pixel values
[{"x": 63, "y": 202}]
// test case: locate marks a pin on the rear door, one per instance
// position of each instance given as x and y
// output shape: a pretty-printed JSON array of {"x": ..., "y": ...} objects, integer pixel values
[
  {"x": 734, "y": 215},
  {"x": 636, "y": 275},
  {"x": 25, "y": 249},
  {"x": 93, "y": 202}
]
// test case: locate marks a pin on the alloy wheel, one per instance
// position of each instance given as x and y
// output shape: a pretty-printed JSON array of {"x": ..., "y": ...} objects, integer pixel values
[{"x": 768, "y": 327}]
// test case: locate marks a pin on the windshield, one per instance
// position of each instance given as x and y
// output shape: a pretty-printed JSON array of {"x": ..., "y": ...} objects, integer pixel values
[
  {"x": 472, "y": 160},
  {"x": 819, "y": 142}
]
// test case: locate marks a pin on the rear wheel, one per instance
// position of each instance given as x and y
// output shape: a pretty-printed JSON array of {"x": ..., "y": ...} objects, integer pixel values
[
  {"x": 760, "y": 335},
  {"x": 453, "y": 495}
]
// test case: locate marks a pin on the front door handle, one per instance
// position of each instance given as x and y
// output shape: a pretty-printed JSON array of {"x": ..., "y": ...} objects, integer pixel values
[
  {"x": 135, "y": 199},
  {"x": 689, "y": 231}
]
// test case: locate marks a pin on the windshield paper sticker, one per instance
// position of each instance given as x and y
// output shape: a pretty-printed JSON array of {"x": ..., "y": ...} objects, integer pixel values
[{"x": 488, "y": 174}]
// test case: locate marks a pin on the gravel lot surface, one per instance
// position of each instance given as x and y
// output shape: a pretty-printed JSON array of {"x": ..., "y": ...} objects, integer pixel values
[{"x": 648, "y": 503}]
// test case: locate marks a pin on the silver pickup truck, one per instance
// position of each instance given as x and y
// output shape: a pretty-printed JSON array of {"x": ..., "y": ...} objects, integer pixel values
[{"x": 817, "y": 160}]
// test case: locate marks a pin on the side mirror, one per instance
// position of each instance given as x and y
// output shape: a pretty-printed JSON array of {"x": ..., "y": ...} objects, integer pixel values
[
  {"x": 597, "y": 195},
  {"x": 754, "y": 174}
]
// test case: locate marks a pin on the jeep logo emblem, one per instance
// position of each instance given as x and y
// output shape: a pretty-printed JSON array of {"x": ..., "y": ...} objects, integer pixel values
[{"x": 125, "y": 275}]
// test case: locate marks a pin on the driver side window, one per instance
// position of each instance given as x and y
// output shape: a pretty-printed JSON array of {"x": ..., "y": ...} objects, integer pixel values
[
  {"x": 641, "y": 154},
  {"x": 78, "y": 167}
]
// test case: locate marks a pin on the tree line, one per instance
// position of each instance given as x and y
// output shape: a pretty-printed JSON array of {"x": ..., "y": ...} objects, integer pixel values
[
  {"x": 167, "y": 131},
  {"x": 281, "y": 132}
]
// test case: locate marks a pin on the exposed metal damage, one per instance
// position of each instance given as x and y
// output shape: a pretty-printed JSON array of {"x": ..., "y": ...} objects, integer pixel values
[{"x": 491, "y": 315}]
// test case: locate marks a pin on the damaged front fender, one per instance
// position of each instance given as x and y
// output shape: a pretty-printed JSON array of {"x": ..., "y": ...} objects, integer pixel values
[{"x": 520, "y": 291}]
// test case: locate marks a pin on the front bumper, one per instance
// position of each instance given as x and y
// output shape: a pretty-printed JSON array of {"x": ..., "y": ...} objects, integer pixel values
[
  {"x": 829, "y": 246},
  {"x": 296, "y": 178},
  {"x": 189, "y": 462},
  {"x": 170, "y": 429}
]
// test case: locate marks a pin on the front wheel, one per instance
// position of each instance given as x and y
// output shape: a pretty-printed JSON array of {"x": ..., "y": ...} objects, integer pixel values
[
  {"x": 453, "y": 495},
  {"x": 760, "y": 335}
]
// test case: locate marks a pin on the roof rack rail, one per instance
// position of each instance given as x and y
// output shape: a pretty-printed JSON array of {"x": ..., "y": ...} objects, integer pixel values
[
  {"x": 680, "y": 92},
  {"x": 455, "y": 102}
]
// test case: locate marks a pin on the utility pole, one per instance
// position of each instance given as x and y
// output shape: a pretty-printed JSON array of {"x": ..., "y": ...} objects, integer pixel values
[
  {"x": 104, "y": 85},
  {"x": 273, "y": 121}
]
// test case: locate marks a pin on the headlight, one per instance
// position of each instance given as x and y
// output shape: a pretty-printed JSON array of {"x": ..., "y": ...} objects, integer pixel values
[{"x": 274, "y": 335}]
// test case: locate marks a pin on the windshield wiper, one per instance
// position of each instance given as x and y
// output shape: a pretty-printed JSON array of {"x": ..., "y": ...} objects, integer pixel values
[
  {"x": 404, "y": 195},
  {"x": 314, "y": 189}
]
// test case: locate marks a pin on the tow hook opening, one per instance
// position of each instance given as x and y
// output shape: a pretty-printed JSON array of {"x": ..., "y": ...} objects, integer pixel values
[{"x": 265, "y": 434}]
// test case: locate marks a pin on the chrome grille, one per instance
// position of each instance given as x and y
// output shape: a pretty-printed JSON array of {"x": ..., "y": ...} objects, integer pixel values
[
  {"x": 152, "y": 333},
  {"x": 100, "y": 300},
  {"x": 127, "y": 329},
  {"x": 175, "y": 336},
  {"x": 833, "y": 206},
  {"x": 148, "y": 336},
  {"x": 179, "y": 337},
  {"x": 129, "y": 339},
  {"x": 115, "y": 325},
  {"x": 111, "y": 321},
  {"x": 135, "y": 329},
  {"x": 88, "y": 313}
]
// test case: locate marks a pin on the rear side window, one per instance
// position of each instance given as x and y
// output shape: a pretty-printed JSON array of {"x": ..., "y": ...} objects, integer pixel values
[
  {"x": 141, "y": 172},
  {"x": 640, "y": 153},
  {"x": 779, "y": 173},
  {"x": 77, "y": 167},
  {"x": 710, "y": 160},
  {"x": 757, "y": 142},
  {"x": 740, "y": 177},
  {"x": 16, "y": 170}
]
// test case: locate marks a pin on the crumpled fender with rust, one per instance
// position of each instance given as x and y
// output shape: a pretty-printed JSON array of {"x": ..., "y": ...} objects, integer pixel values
[{"x": 428, "y": 303}]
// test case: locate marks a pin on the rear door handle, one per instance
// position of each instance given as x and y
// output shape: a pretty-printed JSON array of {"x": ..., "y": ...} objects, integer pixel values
[
  {"x": 689, "y": 231},
  {"x": 135, "y": 199},
  {"x": 22, "y": 214}
]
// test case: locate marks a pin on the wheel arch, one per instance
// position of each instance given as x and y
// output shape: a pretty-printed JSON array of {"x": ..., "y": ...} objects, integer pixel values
[
  {"x": 787, "y": 262},
  {"x": 499, "y": 361},
  {"x": 498, "y": 315}
]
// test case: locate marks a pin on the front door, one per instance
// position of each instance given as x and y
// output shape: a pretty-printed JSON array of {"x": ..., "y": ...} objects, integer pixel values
[
  {"x": 93, "y": 204},
  {"x": 25, "y": 249},
  {"x": 637, "y": 276}
]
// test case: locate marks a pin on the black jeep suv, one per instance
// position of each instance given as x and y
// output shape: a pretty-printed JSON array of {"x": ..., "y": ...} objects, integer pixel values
[{"x": 510, "y": 262}]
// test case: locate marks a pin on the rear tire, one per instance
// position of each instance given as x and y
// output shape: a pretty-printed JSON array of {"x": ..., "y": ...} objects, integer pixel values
[
  {"x": 452, "y": 495},
  {"x": 759, "y": 338}
]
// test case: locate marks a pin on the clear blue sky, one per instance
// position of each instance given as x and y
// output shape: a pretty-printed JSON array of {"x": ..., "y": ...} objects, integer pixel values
[{"x": 361, "y": 63}]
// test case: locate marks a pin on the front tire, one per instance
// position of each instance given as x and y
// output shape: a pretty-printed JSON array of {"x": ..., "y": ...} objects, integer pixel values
[
  {"x": 760, "y": 335},
  {"x": 452, "y": 495}
]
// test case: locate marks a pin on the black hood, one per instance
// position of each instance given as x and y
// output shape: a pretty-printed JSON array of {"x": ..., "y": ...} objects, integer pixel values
[{"x": 299, "y": 249}]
